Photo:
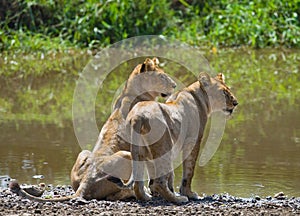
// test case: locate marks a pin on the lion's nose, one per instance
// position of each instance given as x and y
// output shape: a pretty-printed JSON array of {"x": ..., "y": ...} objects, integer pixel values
[
  {"x": 174, "y": 85},
  {"x": 235, "y": 103}
]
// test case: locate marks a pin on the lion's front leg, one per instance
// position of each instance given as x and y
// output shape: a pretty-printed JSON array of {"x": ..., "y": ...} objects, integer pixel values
[
  {"x": 171, "y": 181},
  {"x": 161, "y": 185},
  {"x": 152, "y": 179},
  {"x": 138, "y": 168},
  {"x": 190, "y": 154}
]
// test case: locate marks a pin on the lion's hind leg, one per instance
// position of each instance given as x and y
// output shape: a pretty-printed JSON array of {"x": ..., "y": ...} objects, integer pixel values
[
  {"x": 190, "y": 153},
  {"x": 138, "y": 168},
  {"x": 140, "y": 153},
  {"x": 161, "y": 185},
  {"x": 79, "y": 168}
]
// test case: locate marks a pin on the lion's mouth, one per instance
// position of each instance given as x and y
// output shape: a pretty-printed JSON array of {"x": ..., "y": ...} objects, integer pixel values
[
  {"x": 164, "y": 95},
  {"x": 228, "y": 111}
]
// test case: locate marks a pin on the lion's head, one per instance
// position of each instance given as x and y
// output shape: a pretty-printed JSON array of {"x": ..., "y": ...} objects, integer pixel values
[
  {"x": 148, "y": 78},
  {"x": 220, "y": 96}
]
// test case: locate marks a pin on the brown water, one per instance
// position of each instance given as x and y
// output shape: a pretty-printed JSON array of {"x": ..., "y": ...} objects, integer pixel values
[{"x": 259, "y": 153}]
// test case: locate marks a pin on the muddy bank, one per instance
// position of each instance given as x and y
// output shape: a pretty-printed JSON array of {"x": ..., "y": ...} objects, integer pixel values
[{"x": 222, "y": 204}]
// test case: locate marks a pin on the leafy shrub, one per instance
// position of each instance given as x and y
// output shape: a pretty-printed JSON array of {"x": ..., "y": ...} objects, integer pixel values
[
  {"x": 88, "y": 22},
  {"x": 257, "y": 23},
  {"x": 95, "y": 23}
]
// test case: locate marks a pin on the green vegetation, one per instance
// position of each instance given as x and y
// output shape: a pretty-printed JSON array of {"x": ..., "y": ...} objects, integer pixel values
[{"x": 58, "y": 24}]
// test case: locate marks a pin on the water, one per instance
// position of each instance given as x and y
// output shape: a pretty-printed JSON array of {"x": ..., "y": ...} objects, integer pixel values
[
  {"x": 259, "y": 153},
  {"x": 31, "y": 148}
]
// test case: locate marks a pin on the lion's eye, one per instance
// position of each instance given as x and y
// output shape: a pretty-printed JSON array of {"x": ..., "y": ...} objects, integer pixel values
[{"x": 225, "y": 94}]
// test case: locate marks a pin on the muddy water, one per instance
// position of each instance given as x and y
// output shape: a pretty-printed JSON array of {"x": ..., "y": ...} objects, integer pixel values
[{"x": 259, "y": 153}]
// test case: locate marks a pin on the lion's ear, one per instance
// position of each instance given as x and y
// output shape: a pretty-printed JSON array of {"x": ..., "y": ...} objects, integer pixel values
[
  {"x": 156, "y": 61},
  {"x": 148, "y": 65},
  {"x": 204, "y": 79},
  {"x": 220, "y": 77}
]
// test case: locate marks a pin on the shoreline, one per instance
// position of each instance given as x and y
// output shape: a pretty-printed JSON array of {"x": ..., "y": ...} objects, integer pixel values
[{"x": 217, "y": 204}]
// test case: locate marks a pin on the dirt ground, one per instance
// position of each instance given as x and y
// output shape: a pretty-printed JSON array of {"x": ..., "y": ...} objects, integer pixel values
[{"x": 222, "y": 204}]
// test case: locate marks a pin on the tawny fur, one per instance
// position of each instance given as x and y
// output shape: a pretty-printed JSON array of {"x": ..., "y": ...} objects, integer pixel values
[
  {"x": 179, "y": 126},
  {"x": 92, "y": 173}
]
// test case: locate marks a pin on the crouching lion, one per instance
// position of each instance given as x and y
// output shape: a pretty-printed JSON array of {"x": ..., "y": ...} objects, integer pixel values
[
  {"x": 161, "y": 131},
  {"x": 97, "y": 174}
]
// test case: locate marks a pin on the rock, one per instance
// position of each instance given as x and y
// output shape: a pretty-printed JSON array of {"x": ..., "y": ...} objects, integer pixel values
[
  {"x": 280, "y": 196},
  {"x": 33, "y": 191},
  {"x": 4, "y": 181},
  {"x": 42, "y": 185},
  {"x": 37, "y": 211},
  {"x": 38, "y": 177},
  {"x": 269, "y": 198}
]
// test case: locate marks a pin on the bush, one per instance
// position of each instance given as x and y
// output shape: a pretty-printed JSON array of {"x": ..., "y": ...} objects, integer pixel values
[
  {"x": 86, "y": 22},
  {"x": 256, "y": 23},
  {"x": 97, "y": 23}
]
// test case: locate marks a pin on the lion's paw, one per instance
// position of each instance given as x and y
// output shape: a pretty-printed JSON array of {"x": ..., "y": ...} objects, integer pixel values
[
  {"x": 193, "y": 196},
  {"x": 143, "y": 196},
  {"x": 182, "y": 199},
  {"x": 147, "y": 197}
]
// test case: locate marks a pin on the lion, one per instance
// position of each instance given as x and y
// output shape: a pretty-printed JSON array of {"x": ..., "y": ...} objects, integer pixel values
[
  {"x": 160, "y": 131},
  {"x": 98, "y": 174}
]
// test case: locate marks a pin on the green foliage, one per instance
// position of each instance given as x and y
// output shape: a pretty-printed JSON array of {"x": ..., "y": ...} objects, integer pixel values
[
  {"x": 98, "y": 23},
  {"x": 256, "y": 23},
  {"x": 58, "y": 24},
  {"x": 91, "y": 23}
]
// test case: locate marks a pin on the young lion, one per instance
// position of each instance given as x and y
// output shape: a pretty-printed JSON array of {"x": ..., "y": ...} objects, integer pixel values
[
  {"x": 95, "y": 174},
  {"x": 160, "y": 131}
]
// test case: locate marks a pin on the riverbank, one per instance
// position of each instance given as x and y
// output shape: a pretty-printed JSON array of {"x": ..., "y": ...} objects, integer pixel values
[{"x": 223, "y": 204}]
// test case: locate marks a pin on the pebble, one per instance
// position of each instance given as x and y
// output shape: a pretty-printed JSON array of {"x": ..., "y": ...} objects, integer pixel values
[
  {"x": 216, "y": 204},
  {"x": 279, "y": 195},
  {"x": 37, "y": 211},
  {"x": 269, "y": 198}
]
